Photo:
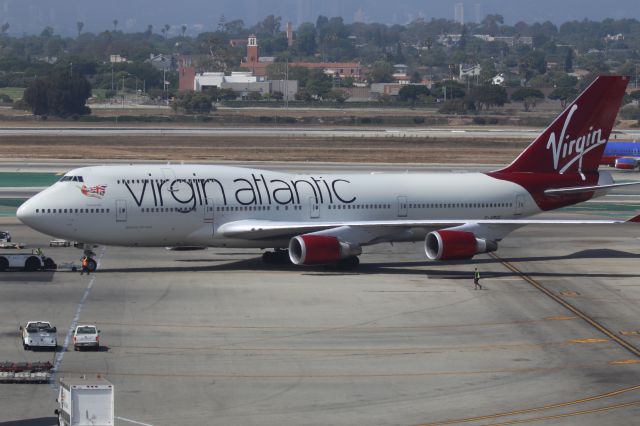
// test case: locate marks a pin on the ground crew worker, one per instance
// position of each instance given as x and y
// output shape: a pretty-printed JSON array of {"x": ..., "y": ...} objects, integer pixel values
[
  {"x": 85, "y": 265},
  {"x": 476, "y": 280}
]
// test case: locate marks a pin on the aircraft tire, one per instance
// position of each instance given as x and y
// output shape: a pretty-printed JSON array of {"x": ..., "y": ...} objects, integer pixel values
[{"x": 268, "y": 257}]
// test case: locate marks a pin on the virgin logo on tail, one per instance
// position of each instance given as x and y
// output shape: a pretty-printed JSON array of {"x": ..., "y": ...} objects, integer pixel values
[{"x": 563, "y": 147}]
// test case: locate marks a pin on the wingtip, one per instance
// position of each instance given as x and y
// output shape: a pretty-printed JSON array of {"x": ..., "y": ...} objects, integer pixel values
[{"x": 635, "y": 219}]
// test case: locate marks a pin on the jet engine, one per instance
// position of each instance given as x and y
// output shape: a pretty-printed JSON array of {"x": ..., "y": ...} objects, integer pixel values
[
  {"x": 626, "y": 163},
  {"x": 456, "y": 245},
  {"x": 320, "y": 249}
]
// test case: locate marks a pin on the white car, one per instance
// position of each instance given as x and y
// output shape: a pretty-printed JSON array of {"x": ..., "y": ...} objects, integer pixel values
[{"x": 86, "y": 336}]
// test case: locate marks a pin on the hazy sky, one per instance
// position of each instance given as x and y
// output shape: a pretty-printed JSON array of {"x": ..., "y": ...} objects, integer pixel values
[{"x": 30, "y": 16}]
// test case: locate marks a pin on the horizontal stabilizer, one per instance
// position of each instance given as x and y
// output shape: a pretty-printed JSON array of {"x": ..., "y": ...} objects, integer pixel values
[{"x": 583, "y": 189}]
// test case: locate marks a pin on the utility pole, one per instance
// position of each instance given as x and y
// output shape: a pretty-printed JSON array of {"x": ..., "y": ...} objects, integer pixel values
[
  {"x": 286, "y": 85},
  {"x": 112, "y": 76}
]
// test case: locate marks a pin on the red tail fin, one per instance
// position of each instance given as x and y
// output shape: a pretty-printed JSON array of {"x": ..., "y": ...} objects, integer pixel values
[{"x": 575, "y": 142}]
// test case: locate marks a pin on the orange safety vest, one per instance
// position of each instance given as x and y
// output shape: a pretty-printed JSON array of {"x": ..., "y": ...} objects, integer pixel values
[{"x": 85, "y": 262}]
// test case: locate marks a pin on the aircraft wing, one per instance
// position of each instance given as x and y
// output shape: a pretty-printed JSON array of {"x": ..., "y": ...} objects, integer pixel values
[{"x": 266, "y": 229}]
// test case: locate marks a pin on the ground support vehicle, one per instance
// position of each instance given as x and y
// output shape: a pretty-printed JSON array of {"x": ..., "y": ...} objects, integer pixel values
[
  {"x": 39, "y": 334},
  {"x": 86, "y": 336},
  {"x": 25, "y": 261},
  {"x": 8, "y": 245},
  {"x": 25, "y": 372},
  {"x": 83, "y": 401},
  {"x": 59, "y": 243}
]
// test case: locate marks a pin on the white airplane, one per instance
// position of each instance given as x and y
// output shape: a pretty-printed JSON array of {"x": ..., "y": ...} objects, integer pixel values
[{"x": 325, "y": 219}]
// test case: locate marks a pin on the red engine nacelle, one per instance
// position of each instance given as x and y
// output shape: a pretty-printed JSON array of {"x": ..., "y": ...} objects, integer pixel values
[
  {"x": 456, "y": 245},
  {"x": 320, "y": 249}
]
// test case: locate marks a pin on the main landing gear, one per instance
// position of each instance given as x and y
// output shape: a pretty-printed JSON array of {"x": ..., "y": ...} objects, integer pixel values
[
  {"x": 348, "y": 263},
  {"x": 277, "y": 257},
  {"x": 281, "y": 257}
]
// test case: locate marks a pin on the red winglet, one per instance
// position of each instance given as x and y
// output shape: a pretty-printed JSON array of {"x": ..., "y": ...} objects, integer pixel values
[{"x": 635, "y": 219}]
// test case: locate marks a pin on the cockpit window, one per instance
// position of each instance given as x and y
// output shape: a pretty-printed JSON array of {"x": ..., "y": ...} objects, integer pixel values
[{"x": 72, "y": 179}]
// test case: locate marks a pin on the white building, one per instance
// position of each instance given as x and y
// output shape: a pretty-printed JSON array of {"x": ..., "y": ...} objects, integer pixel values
[{"x": 209, "y": 79}]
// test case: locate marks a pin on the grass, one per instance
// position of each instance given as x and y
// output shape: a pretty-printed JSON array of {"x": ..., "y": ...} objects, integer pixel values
[
  {"x": 13, "y": 179},
  {"x": 14, "y": 92},
  {"x": 8, "y": 206}
]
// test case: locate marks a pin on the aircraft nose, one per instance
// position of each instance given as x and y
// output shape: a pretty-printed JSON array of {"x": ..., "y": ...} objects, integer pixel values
[{"x": 25, "y": 212}]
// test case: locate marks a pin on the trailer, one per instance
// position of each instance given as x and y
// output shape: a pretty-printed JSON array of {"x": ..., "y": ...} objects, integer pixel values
[
  {"x": 26, "y": 262},
  {"x": 25, "y": 372},
  {"x": 83, "y": 401}
]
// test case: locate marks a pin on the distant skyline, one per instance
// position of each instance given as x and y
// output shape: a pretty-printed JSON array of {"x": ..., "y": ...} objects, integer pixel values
[{"x": 31, "y": 16}]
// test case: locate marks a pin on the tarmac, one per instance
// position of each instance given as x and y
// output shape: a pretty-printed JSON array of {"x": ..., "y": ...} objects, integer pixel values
[{"x": 217, "y": 337}]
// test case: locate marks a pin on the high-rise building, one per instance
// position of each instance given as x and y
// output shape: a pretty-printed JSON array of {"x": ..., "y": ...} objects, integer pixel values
[
  {"x": 477, "y": 8},
  {"x": 459, "y": 13}
]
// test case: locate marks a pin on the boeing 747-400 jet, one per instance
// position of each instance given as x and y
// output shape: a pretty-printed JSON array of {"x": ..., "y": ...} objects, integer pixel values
[{"x": 315, "y": 219}]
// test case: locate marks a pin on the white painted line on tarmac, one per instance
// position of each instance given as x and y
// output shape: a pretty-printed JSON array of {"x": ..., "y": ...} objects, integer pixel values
[
  {"x": 133, "y": 421},
  {"x": 74, "y": 323}
]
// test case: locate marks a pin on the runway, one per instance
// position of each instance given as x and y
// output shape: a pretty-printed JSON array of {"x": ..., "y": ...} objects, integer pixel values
[
  {"x": 270, "y": 132},
  {"x": 292, "y": 132},
  {"x": 217, "y": 337}
]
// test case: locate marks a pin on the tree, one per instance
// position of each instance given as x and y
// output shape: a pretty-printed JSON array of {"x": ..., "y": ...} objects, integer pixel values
[
  {"x": 36, "y": 97},
  {"x": 381, "y": 72},
  {"x": 300, "y": 74},
  {"x": 183, "y": 29},
  {"x": 319, "y": 84},
  {"x": 167, "y": 27},
  {"x": 79, "y": 26},
  {"x": 529, "y": 97},
  {"x": 115, "y": 25},
  {"x": 4, "y": 28},
  {"x": 337, "y": 95},
  {"x": 59, "y": 94},
  {"x": 254, "y": 96},
  {"x": 489, "y": 95},
  {"x": 304, "y": 95},
  {"x": 413, "y": 93},
  {"x": 532, "y": 63},
  {"x": 564, "y": 95},
  {"x": 305, "y": 42},
  {"x": 568, "y": 61},
  {"x": 193, "y": 102}
]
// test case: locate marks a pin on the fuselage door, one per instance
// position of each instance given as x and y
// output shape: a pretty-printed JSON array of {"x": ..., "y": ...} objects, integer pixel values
[
  {"x": 314, "y": 208},
  {"x": 402, "y": 206},
  {"x": 519, "y": 205},
  {"x": 121, "y": 210},
  {"x": 208, "y": 211}
]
